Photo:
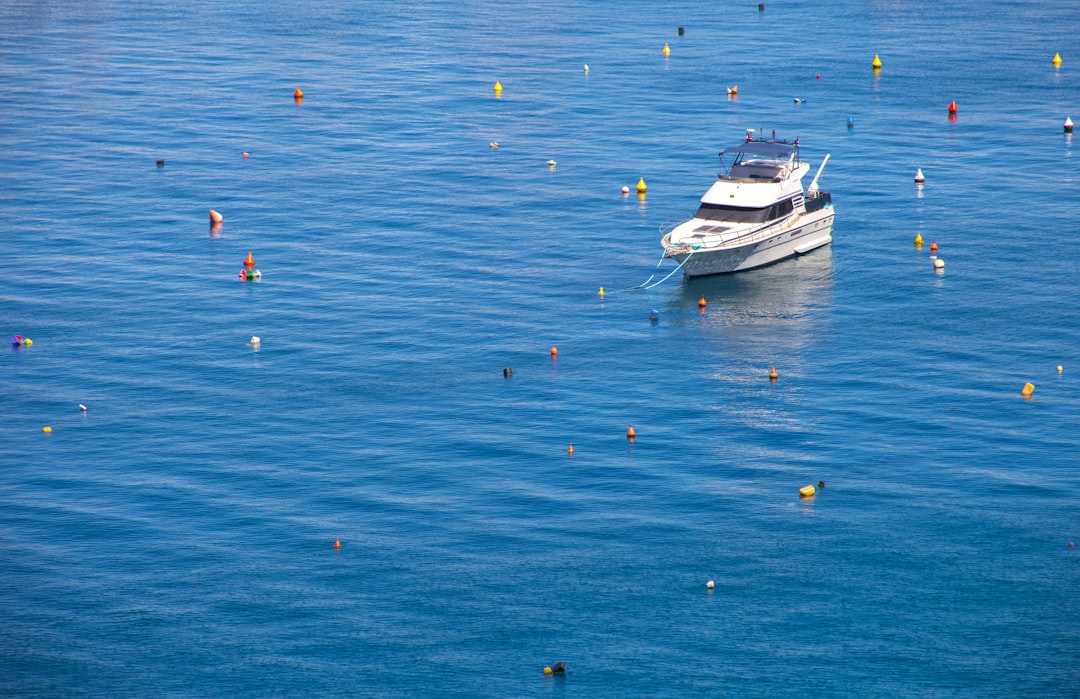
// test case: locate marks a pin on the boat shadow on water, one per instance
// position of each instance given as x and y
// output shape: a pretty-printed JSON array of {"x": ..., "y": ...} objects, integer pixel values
[{"x": 784, "y": 293}]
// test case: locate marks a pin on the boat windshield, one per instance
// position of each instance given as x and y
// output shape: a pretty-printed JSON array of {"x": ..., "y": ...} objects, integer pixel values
[
  {"x": 757, "y": 160},
  {"x": 742, "y": 214}
]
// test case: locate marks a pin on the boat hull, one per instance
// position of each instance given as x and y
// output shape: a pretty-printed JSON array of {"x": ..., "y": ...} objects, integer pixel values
[{"x": 812, "y": 231}]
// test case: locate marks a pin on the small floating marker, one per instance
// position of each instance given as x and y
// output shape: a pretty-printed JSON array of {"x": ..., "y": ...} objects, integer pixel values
[
  {"x": 570, "y": 450},
  {"x": 682, "y": 30},
  {"x": 710, "y": 585},
  {"x": 246, "y": 155},
  {"x": 547, "y": 670},
  {"x": 601, "y": 292},
  {"x": 667, "y": 50},
  {"x": 1070, "y": 544},
  {"x": 821, "y": 484},
  {"x": 625, "y": 189},
  {"x": 807, "y": 491},
  {"x": 761, "y": 7},
  {"x": 215, "y": 217},
  {"x": 337, "y": 543},
  {"x": 641, "y": 186},
  {"x": 877, "y": 62},
  {"x": 28, "y": 342},
  {"x": 933, "y": 247},
  {"x": 493, "y": 145},
  {"x": 46, "y": 429},
  {"x": 498, "y": 87},
  {"x": 733, "y": 90},
  {"x": 298, "y": 95},
  {"x": 1060, "y": 368},
  {"x": 161, "y": 163},
  {"x": 919, "y": 178},
  {"x": 952, "y": 107},
  {"x": 1057, "y": 59},
  {"x": 17, "y": 341},
  {"x": 850, "y": 122},
  {"x": 654, "y": 317},
  {"x": 939, "y": 263},
  {"x": 772, "y": 373},
  {"x": 1068, "y": 125},
  {"x": 255, "y": 340},
  {"x": 799, "y": 100},
  {"x": 508, "y": 372},
  {"x": 586, "y": 67},
  {"x": 249, "y": 261},
  {"x": 701, "y": 302},
  {"x": 630, "y": 433},
  {"x": 1027, "y": 390},
  {"x": 82, "y": 407},
  {"x": 918, "y": 239},
  {"x": 551, "y": 163},
  {"x": 818, "y": 76},
  {"x": 554, "y": 351}
]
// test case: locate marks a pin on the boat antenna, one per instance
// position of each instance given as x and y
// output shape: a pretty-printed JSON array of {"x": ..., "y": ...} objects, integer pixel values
[{"x": 813, "y": 184}]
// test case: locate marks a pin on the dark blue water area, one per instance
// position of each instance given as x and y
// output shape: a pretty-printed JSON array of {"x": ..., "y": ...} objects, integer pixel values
[{"x": 177, "y": 537}]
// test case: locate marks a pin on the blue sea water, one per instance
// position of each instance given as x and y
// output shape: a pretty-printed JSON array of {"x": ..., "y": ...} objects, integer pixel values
[{"x": 176, "y": 539}]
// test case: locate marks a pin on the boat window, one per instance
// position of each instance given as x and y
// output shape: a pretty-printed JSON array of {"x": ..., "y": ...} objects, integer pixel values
[{"x": 742, "y": 214}]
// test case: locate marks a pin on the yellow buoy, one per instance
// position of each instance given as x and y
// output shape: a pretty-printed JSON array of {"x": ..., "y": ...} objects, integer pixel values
[
  {"x": 641, "y": 186},
  {"x": 772, "y": 373},
  {"x": 918, "y": 238},
  {"x": 877, "y": 62},
  {"x": 601, "y": 291},
  {"x": 46, "y": 429},
  {"x": 667, "y": 50},
  {"x": 1060, "y": 368},
  {"x": 547, "y": 670},
  {"x": 807, "y": 491},
  {"x": 1057, "y": 59},
  {"x": 498, "y": 86},
  {"x": 27, "y": 342},
  {"x": 1028, "y": 389}
]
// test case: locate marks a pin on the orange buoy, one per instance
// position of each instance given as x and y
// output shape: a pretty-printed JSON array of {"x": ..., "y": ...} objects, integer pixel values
[
  {"x": 933, "y": 246},
  {"x": 772, "y": 373},
  {"x": 337, "y": 543},
  {"x": 570, "y": 449},
  {"x": 554, "y": 351},
  {"x": 701, "y": 302},
  {"x": 215, "y": 217},
  {"x": 298, "y": 95},
  {"x": 807, "y": 491},
  {"x": 1027, "y": 390},
  {"x": 952, "y": 107},
  {"x": 250, "y": 261},
  {"x": 630, "y": 433}
]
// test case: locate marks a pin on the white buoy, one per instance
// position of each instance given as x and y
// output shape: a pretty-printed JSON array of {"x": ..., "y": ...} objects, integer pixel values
[
  {"x": 625, "y": 189},
  {"x": 1068, "y": 125},
  {"x": 551, "y": 163},
  {"x": 919, "y": 179},
  {"x": 939, "y": 263},
  {"x": 494, "y": 145},
  {"x": 586, "y": 67},
  {"x": 82, "y": 407},
  {"x": 710, "y": 585},
  {"x": 255, "y": 339}
]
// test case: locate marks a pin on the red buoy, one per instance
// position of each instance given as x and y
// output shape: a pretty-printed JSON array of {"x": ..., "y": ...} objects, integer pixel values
[{"x": 952, "y": 107}]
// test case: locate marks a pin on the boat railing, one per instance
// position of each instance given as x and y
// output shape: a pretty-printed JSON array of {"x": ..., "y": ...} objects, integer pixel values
[{"x": 765, "y": 230}]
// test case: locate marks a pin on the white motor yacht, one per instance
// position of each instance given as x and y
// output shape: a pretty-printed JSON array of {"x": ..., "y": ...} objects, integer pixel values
[{"x": 756, "y": 212}]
